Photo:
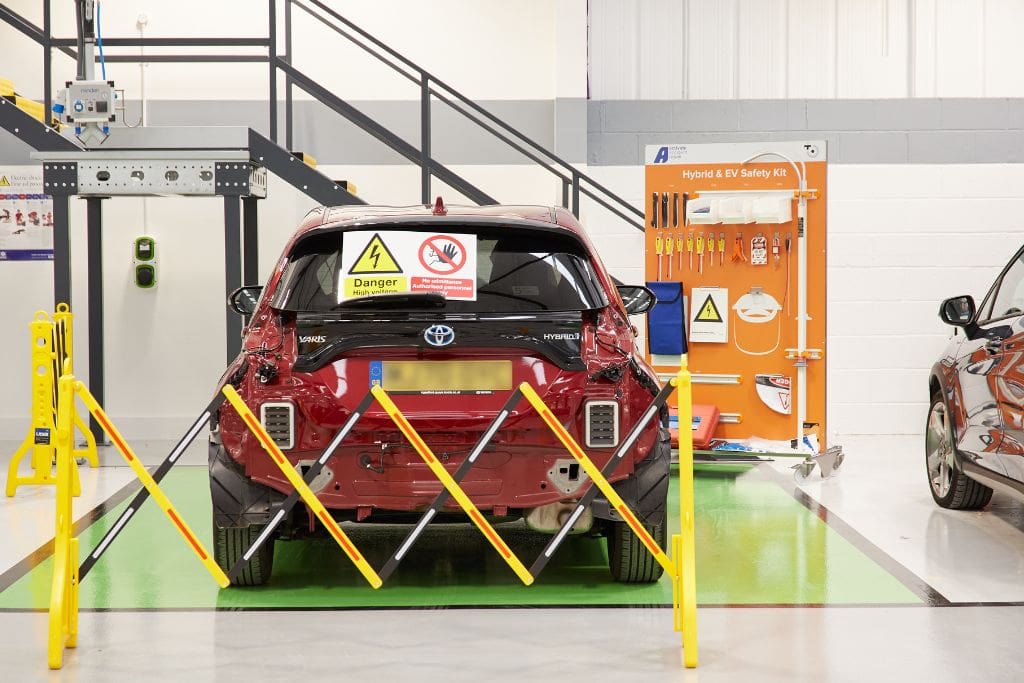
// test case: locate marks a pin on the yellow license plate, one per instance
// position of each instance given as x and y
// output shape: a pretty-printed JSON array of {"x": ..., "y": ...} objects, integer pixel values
[{"x": 447, "y": 376}]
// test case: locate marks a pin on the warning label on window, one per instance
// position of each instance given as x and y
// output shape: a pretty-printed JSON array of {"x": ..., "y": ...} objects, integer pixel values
[
  {"x": 707, "y": 322},
  {"x": 387, "y": 262}
]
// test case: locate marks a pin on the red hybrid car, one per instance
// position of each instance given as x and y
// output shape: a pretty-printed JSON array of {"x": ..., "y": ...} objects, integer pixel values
[{"x": 449, "y": 310}]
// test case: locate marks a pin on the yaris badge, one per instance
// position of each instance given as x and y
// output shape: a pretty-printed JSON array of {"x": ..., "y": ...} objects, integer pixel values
[{"x": 439, "y": 335}]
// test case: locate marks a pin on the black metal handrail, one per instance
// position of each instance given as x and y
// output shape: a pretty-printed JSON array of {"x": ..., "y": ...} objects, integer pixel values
[
  {"x": 430, "y": 85},
  {"x": 574, "y": 182}
]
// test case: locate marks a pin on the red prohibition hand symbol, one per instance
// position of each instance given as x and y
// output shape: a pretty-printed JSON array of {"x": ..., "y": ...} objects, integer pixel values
[{"x": 442, "y": 255}]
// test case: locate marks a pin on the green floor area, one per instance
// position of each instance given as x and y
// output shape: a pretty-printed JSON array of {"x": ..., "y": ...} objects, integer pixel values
[{"x": 755, "y": 545}]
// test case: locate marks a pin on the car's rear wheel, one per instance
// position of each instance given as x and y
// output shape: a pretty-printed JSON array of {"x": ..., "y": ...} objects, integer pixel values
[
  {"x": 628, "y": 557},
  {"x": 230, "y": 543},
  {"x": 950, "y": 487}
]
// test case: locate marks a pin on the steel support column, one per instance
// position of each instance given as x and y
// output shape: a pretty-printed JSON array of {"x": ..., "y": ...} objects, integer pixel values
[
  {"x": 232, "y": 271},
  {"x": 272, "y": 51},
  {"x": 61, "y": 251},
  {"x": 424, "y": 139},
  {"x": 94, "y": 248},
  {"x": 250, "y": 242}
]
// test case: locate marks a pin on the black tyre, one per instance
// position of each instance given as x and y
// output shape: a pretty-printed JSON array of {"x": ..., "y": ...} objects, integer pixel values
[
  {"x": 950, "y": 487},
  {"x": 628, "y": 557},
  {"x": 230, "y": 543}
]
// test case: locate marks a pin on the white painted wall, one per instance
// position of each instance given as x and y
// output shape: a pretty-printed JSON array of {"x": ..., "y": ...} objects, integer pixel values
[
  {"x": 513, "y": 43},
  {"x": 723, "y": 49}
]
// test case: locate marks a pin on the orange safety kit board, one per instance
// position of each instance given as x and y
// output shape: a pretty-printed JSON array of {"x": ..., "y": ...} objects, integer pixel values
[{"x": 722, "y": 254}]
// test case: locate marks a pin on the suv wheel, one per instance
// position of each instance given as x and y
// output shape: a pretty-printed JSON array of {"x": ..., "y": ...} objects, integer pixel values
[
  {"x": 230, "y": 543},
  {"x": 629, "y": 559},
  {"x": 950, "y": 487}
]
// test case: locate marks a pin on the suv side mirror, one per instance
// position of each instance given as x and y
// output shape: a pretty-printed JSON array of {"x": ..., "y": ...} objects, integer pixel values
[
  {"x": 244, "y": 299},
  {"x": 958, "y": 311},
  {"x": 637, "y": 299}
]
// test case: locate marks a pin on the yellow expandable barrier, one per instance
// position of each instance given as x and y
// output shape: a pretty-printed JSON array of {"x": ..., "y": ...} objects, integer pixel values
[
  {"x": 333, "y": 528},
  {"x": 681, "y": 567},
  {"x": 453, "y": 488},
  {"x": 595, "y": 475},
  {"x": 63, "y": 618},
  {"x": 154, "y": 490},
  {"x": 52, "y": 353}
]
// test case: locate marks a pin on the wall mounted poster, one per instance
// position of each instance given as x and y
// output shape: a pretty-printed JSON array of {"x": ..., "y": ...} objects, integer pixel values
[{"x": 26, "y": 215}]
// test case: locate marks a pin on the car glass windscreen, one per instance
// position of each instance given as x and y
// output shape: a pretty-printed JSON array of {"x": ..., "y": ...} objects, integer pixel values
[{"x": 517, "y": 270}]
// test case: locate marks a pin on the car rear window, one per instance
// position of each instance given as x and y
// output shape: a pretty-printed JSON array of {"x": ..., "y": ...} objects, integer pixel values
[{"x": 517, "y": 270}]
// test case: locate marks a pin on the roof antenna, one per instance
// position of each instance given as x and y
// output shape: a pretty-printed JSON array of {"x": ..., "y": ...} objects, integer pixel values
[{"x": 439, "y": 209}]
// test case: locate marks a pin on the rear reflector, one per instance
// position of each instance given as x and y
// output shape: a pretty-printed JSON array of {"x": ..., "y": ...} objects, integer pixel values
[
  {"x": 279, "y": 421},
  {"x": 602, "y": 427}
]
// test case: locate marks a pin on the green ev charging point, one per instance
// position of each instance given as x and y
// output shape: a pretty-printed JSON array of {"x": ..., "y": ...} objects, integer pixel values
[{"x": 144, "y": 262}]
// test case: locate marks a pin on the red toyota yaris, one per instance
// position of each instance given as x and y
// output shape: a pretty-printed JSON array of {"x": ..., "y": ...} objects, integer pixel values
[{"x": 448, "y": 310}]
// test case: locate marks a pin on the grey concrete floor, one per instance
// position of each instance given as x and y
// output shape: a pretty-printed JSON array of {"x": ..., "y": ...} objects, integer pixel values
[{"x": 737, "y": 644}]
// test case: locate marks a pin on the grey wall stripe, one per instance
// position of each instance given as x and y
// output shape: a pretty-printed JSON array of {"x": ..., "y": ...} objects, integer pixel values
[
  {"x": 555, "y": 124},
  {"x": 614, "y": 132},
  {"x": 889, "y": 131}
]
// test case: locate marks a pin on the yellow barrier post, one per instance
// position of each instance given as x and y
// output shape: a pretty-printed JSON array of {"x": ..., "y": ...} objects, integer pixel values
[
  {"x": 63, "y": 626},
  {"x": 685, "y": 588},
  {"x": 154, "y": 490},
  {"x": 453, "y": 488},
  {"x": 594, "y": 472},
  {"x": 63, "y": 335},
  {"x": 307, "y": 495}
]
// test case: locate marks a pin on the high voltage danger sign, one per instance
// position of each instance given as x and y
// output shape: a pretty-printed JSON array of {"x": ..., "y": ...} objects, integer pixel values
[
  {"x": 375, "y": 258},
  {"x": 707, "y": 324}
]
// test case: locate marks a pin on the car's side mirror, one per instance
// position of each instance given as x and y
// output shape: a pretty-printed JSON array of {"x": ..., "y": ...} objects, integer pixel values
[
  {"x": 244, "y": 299},
  {"x": 636, "y": 298},
  {"x": 958, "y": 311}
]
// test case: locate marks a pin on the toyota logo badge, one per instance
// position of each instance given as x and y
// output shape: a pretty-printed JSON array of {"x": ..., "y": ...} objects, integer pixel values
[{"x": 439, "y": 335}]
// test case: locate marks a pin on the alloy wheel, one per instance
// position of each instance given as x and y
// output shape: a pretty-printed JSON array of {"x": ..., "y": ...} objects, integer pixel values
[{"x": 939, "y": 450}]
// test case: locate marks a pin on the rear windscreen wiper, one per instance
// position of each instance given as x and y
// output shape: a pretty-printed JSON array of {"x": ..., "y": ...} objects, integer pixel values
[{"x": 397, "y": 300}]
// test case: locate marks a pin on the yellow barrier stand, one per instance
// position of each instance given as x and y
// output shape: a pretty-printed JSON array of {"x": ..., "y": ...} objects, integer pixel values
[
  {"x": 340, "y": 537},
  {"x": 63, "y": 629},
  {"x": 64, "y": 336},
  {"x": 154, "y": 490},
  {"x": 51, "y": 353},
  {"x": 453, "y": 488},
  {"x": 683, "y": 545}
]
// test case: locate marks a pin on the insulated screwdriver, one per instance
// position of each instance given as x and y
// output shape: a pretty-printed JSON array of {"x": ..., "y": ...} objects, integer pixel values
[
  {"x": 689, "y": 248},
  {"x": 721, "y": 248},
  {"x": 700, "y": 253},
  {"x": 658, "y": 252},
  {"x": 668, "y": 253}
]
